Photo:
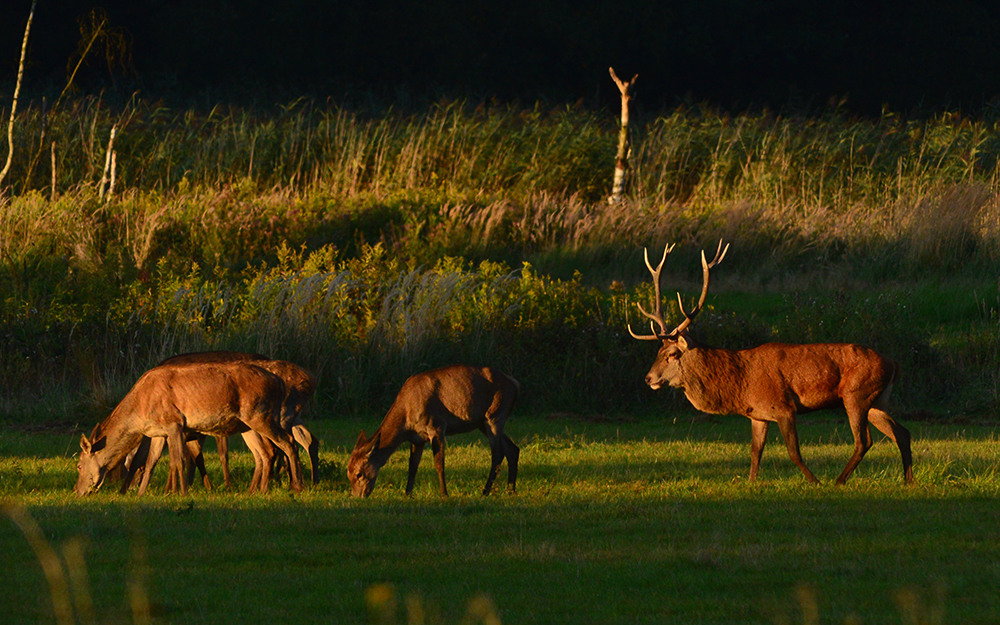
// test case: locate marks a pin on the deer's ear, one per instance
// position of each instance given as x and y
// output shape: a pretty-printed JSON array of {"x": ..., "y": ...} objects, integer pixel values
[
  {"x": 683, "y": 343},
  {"x": 374, "y": 443},
  {"x": 362, "y": 439},
  {"x": 85, "y": 444}
]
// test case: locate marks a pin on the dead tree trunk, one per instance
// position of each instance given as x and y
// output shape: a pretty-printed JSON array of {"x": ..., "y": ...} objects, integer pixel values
[
  {"x": 621, "y": 163},
  {"x": 17, "y": 92}
]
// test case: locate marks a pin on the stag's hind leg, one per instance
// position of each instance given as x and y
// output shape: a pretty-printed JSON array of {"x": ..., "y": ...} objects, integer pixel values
[
  {"x": 898, "y": 434},
  {"x": 858, "y": 416}
]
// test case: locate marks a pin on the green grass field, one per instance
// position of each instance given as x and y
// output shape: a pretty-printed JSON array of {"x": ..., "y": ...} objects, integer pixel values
[{"x": 637, "y": 519}]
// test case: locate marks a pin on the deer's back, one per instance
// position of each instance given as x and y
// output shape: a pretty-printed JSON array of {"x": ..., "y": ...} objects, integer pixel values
[
  {"x": 815, "y": 376},
  {"x": 209, "y": 397},
  {"x": 460, "y": 397}
]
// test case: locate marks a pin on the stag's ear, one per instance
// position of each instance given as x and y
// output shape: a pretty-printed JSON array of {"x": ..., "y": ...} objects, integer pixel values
[
  {"x": 683, "y": 343},
  {"x": 362, "y": 439},
  {"x": 84, "y": 444}
]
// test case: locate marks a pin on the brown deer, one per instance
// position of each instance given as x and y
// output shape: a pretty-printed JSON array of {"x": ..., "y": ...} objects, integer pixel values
[
  {"x": 172, "y": 401},
  {"x": 299, "y": 385},
  {"x": 776, "y": 381},
  {"x": 431, "y": 405}
]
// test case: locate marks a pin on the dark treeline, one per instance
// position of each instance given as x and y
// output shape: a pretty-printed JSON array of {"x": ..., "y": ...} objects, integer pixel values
[{"x": 736, "y": 54}]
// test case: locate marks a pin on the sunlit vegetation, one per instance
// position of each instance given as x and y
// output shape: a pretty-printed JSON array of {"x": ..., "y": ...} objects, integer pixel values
[{"x": 369, "y": 243}]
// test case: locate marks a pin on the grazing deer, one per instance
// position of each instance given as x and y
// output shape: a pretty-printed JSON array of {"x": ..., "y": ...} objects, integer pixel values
[
  {"x": 142, "y": 460},
  {"x": 299, "y": 386},
  {"x": 171, "y": 401},
  {"x": 431, "y": 405},
  {"x": 775, "y": 381}
]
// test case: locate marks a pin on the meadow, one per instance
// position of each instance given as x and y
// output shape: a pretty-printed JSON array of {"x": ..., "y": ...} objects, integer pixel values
[
  {"x": 632, "y": 520},
  {"x": 368, "y": 242}
]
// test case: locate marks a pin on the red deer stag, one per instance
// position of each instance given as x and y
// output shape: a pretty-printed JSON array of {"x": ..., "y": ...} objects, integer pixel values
[
  {"x": 431, "y": 405},
  {"x": 172, "y": 401},
  {"x": 776, "y": 381}
]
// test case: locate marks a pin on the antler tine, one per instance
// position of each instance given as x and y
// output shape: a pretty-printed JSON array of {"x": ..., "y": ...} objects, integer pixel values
[
  {"x": 720, "y": 253},
  {"x": 657, "y": 315}
]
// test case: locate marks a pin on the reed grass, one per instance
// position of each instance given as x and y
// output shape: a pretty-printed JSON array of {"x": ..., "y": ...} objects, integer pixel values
[{"x": 370, "y": 243}]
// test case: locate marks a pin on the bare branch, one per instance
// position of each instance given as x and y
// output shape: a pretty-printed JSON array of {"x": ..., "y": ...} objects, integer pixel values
[{"x": 17, "y": 93}]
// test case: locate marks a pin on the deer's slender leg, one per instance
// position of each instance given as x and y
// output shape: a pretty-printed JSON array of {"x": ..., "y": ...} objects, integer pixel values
[
  {"x": 437, "y": 446},
  {"x": 311, "y": 444},
  {"x": 194, "y": 450},
  {"x": 222, "y": 445},
  {"x": 858, "y": 417},
  {"x": 758, "y": 432},
  {"x": 136, "y": 464},
  {"x": 154, "y": 451},
  {"x": 284, "y": 442},
  {"x": 512, "y": 452},
  {"x": 791, "y": 436},
  {"x": 898, "y": 434},
  {"x": 176, "y": 445},
  {"x": 496, "y": 459},
  {"x": 416, "y": 451},
  {"x": 261, "y": 463}
]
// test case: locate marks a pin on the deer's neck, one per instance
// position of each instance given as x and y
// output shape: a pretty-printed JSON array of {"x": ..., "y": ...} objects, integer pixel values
[
  {"x": 391, "y": 434},
  {"x": 123, "y": 431},
  {"x": 713, "y": 380}
]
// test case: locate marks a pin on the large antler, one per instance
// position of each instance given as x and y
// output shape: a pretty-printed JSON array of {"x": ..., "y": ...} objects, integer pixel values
[
  {"x": 720, "y": 253},
  {"x": 657, "y": 315}
]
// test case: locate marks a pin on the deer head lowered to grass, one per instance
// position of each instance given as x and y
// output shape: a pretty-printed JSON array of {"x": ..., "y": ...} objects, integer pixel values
[
  {"x": 775, "y": 382},
  {"x": 172, "y": 401},
  {"x": 431, "y": 405}
]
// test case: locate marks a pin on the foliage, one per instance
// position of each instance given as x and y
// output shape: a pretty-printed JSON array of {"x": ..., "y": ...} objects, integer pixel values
[{"x": 370, "y": 244}]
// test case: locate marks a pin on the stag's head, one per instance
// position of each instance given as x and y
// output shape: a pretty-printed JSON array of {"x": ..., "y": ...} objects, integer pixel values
[
  {"x": 360, "y": 469},
  {"x": 90, "y": 469},
  {"x": 667, "y": 368}
]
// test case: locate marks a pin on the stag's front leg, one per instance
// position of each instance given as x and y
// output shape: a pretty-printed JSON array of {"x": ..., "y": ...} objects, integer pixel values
[
  {"x": 758, "y": 437},
  {"x": 791, "y": 436},
  {"x": 437, "y": 446},
  {"x": 416, "y": 451}
]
